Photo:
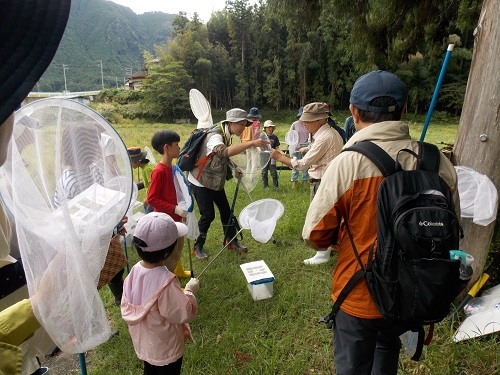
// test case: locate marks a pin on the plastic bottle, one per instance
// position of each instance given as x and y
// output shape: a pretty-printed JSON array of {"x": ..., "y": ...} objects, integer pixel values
[{"x": 409, "y": 341}]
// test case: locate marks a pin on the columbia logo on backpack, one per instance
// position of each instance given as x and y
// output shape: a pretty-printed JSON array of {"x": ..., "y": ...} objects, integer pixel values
[
  {"x": 430, "y": 224},
  {"x": 409, "y": 273}
]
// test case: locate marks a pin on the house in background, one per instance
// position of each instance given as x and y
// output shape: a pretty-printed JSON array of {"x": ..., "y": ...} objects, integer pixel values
[{"x": 134, "y": 82}]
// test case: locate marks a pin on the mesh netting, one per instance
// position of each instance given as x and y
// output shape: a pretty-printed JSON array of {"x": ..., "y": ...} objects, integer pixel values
[
  {"x": 67, "y": 182},
  {"x": 251, "y": 162},
  {"x": 201, "y": 108},
  {"x": 261, "y": 217},
  {"x": 292, "y": 139}
]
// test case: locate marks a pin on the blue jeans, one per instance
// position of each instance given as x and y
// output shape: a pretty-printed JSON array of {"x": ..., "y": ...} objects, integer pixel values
[{"x": 295, "y": 174}]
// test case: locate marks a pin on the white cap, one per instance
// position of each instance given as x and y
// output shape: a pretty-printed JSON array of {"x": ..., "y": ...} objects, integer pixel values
[
  {"x": 158, "y": 231},
  {"x": 269, "y": 123}
]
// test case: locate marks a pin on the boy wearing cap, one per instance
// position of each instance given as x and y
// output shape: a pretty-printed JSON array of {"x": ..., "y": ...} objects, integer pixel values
[
  {"x": 27, "y": 50},
  {"x": 363, "y": 341},
  {"x": 154, "y": 306},
  {"x": 303, "y": 144},
  {"x": 139, "y": 159},
  {"x": 271, "y": 164},
  {"x": 208, "y": 183},
  {"x": 325, "y": 146}
]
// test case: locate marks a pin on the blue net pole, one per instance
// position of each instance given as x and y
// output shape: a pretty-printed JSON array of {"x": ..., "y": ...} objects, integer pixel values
[
  {"x": 83, "y": 365},
  {"x": 436, "y": 91}
]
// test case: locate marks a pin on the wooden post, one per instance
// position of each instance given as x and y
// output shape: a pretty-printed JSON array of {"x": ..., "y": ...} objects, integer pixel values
[{"x": 478, "y": 138}]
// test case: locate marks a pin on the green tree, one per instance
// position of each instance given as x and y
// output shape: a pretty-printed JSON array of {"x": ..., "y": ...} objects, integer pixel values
[{"x": 166, "y": 92}]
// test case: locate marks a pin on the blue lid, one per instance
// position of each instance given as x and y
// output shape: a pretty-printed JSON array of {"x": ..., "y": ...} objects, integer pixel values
[{"x": 263, "y": 281}]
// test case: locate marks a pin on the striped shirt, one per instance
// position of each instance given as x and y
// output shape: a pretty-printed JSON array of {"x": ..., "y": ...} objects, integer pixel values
[{"x": 74, "y": 182}]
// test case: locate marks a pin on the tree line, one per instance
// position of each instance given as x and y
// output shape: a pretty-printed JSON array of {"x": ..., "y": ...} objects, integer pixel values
[{"x": 285, "y": 53}]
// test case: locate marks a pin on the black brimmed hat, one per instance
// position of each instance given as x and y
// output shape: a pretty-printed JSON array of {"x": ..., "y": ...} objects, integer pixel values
[
  {"x": 136, "y": 155},
  {"x": 31, "y": 32}
]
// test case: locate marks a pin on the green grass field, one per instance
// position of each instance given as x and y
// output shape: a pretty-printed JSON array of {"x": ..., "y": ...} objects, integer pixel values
[{"x": 280, "y": 335}]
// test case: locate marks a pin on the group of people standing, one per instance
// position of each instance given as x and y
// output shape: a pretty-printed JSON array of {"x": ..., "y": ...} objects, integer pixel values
[{"x": 343, "y": 189}]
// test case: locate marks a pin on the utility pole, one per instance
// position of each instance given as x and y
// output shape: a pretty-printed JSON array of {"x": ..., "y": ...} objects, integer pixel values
[
  {"x": 64, "y": 73},
  {"x": 102, "y": 76},
  {"x": 116, "y": 78},
  {"x": 128, "y": 73}
]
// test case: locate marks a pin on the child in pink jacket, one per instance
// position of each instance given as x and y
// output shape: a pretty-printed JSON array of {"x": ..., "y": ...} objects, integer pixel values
[{"x": 154, "y": 306}]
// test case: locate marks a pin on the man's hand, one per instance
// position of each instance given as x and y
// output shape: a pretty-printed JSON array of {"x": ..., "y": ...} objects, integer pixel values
[
  {"x": 303, "y": 150},
  {"x": 277, "y": 154},
  {"x": 260, "y": 143}
]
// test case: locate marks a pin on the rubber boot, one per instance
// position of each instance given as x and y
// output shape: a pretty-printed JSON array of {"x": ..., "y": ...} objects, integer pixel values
[
  {"x": 320, "y": 257},
  {"x": 275, "y": 183},
  {"x": 117, "y": 290},
  {"x": 180, "y": 272},
  {"x": 198, "y": 249},
  {"x": 235, "y": 245},
  {"x": 265, "y": 182}
]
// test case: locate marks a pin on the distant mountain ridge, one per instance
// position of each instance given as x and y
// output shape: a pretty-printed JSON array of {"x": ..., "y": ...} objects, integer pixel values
[{"x": 101, "y": 32}]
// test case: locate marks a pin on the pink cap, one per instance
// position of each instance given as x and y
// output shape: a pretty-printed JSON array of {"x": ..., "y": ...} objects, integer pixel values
[{"x": 158, "y": 231}]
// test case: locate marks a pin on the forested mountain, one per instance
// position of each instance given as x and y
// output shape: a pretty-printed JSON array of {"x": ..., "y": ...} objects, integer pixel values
[
  {"x": 102, "y": 32},
  {"x": 273, "y": 53},
  {"x": 286, "y": 53}
]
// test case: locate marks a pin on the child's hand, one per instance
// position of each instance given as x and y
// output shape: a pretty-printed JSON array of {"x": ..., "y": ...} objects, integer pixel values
[
  {"x": 179, "y": 211},
  {"x": 193, "y": 285}
]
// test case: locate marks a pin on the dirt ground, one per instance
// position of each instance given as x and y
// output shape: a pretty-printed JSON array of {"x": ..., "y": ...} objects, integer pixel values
[{"x": 62, "y": 364}]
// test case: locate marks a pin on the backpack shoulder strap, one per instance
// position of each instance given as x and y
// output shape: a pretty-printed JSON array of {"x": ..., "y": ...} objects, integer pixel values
[
  {"x": 377, "y": 155},
  {"x": 428, "y": 157}
]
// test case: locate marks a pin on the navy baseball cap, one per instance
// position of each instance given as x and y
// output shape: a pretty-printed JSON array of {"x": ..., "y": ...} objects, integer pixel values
[{"x": 374, "y": 85}]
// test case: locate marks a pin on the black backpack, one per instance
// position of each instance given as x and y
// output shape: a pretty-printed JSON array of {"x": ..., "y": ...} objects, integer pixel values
[
  {"x": 341, "y": 131},
  {"x": 189, "y": 152},
  {"x": 409, "y": 272}
]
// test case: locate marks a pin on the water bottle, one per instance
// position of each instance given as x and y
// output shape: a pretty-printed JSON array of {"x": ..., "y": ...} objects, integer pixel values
[
  {"x": 409, "y": 341},
  {"x": 465, "y": 269}
]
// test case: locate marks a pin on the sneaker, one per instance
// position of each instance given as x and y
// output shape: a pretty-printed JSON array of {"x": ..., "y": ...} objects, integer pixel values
[
  {"x": 235, "y": 245},
  {"x": 200, "y": 254}
]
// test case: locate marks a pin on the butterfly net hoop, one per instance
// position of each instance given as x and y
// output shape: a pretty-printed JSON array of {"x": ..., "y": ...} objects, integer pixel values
[
  {"x": 251, "y": 162},
  {"x": 150, "y": 156},
  {"x": 67, "y": 182},
  {"x": 261, "y": 217},
  {"x": 292, "y": 139},
  {"x": 201, "y": 108}
]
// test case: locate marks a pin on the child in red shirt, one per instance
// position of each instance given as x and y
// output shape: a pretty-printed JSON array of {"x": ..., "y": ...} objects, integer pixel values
[{"x": 161, "y": 194}]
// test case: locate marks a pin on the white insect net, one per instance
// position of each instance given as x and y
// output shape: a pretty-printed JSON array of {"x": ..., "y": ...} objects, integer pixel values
[
  {"x": 251, "y": 162},
  {"x": 67, "y": 182},
  {"x": 261, "y": 217},
  {"x": 292, "y": 139}
]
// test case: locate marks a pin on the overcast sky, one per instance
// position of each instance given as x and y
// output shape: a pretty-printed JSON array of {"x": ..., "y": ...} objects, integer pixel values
[{"x": 203, "y": 7}]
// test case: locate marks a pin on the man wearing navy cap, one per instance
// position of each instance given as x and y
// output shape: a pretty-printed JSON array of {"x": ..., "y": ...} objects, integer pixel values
[{"x": 364, "y": 342}]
